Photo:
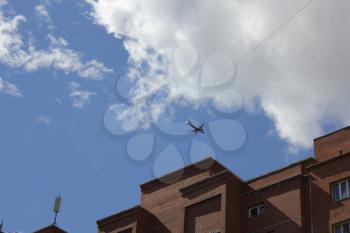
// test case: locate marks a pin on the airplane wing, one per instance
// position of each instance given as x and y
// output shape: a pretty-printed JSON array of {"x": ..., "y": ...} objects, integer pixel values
[
  {"x": 201, "y": 126},
  {"x": 192, "y": 125}
]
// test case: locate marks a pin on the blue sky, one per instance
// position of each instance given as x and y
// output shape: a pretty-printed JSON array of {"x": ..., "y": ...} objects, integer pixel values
[{"x": 73, "y": 123}]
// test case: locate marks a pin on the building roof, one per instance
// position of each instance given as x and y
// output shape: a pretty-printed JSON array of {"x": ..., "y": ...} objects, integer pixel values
[
  {"x": 51, "y": 229},
  {"x": 310, "y": 160},
  {"x": 203, "y": 165},
  {"x": 321, "y": 163},
  {"x": 226, "y": 174},
  {"x": 220, "y": 172},
  {"x": 135, "y": 211},
  {"x": 191, "y": 167},
  {"x": 331, "y": 133}
]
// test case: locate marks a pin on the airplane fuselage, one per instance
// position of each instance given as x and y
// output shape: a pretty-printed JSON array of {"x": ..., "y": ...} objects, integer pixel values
[{"x": 195, "y": 128}]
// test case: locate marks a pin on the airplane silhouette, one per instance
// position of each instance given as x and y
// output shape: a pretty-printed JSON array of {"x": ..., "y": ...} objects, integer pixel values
[{"x": 196, "y": 129}]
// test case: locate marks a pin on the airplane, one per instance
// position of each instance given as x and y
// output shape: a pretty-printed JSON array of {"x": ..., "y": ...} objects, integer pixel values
[{"x": 196, "y": 129}]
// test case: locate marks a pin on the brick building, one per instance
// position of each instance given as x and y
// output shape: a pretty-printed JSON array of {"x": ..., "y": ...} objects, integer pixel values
[{"x": 310, "y": 196}]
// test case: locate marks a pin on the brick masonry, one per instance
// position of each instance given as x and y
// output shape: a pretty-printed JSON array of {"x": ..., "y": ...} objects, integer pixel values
[{"x": 208, "y": 198}]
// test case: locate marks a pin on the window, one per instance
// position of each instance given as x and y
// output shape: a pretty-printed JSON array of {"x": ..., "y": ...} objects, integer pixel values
[
  {"x": 341, "y": 190},
  {"x": 215, "y": 231},
  {"x": 256, "y": 211},
  {"x": 342, "y": 227},
  {"x": 197, "y": 216}
]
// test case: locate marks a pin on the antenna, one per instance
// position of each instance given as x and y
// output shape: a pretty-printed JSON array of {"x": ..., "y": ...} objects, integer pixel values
[{"x": 56, "y": 208}]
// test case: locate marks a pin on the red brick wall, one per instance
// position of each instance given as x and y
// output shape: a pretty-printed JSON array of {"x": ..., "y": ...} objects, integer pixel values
[
  {"x": 275, "y": 177},
  {"x": 119, "y": 227},
  {"x": 233, "y": 208},
  {"x": 282, "y": 209},
  {"x": 329, "y": 146},
  {"x": 325, "y": 212},
  {"x": 222, "y": 202},
  {"x": 204, "y": 216},
  {"x": 168, "y": 204}
]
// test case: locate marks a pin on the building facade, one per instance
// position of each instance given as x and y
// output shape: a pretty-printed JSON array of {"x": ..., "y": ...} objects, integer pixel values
[{"x": 310, "y": 196}]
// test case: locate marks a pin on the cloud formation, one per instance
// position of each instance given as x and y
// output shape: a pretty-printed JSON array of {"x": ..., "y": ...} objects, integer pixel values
[
  {"x": 299, "y": 76},
  {"x": 43, "y": 120},
  {"x": 80, "y": 97},
  {"x": 16, "y": 52},
  {"x": 9, "y": 88},
  {"x": 43, "y": 14}
]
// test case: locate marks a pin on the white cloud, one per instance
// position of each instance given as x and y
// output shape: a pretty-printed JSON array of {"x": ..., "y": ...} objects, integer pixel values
[
  {"x": 80, "y": 97},
  {"x": 299, "y": 77},
  {"x": 9, "y": 88},
  {"x": 16, "y": 52},
  {"x": 43, "y": 120},
  {"x": 43, "y": 13}
]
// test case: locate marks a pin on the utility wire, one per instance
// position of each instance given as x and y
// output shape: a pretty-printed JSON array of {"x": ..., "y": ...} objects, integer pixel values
[
  {"x": 266, "y": 39},
  {"x": 275, "y": 31}
]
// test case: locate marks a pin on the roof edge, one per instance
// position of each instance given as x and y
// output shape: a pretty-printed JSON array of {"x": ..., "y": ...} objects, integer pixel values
[
  {"x": 281, "y": 169},
  {"x": 242, "y": 195},
  {"x": 198, "y": 165},
  {"x": 333, "y": 132},
  {"x": 209, "y": 180},
  {"x": 50, "y": 227},
  {"x": 136, "y": 210},
  {"x": 328, "y": 160}
]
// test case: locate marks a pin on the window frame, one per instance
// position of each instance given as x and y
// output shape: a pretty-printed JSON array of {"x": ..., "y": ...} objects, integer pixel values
[
  {"x": 339, "y": 184},
  {"x": 258, "y": 209},
  {"x": 341, "y": 224}
]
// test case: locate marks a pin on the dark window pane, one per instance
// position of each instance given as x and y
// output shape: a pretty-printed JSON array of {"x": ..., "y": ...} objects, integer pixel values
[
  {"x": 344, "y": 190},
  {"x": 336, "y": 194},
  {"x": 337, "y": 229},
  {"x": 348, "y": 188},
  {"x": 253, "y": 212},
  {"x": 346, "y": 228},
  {"x": 261, "y": 210}
]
